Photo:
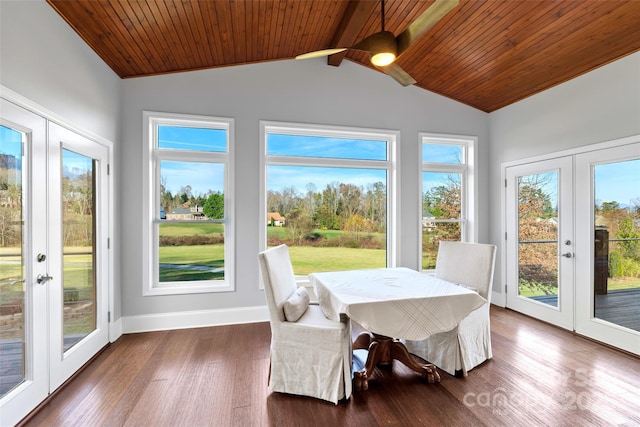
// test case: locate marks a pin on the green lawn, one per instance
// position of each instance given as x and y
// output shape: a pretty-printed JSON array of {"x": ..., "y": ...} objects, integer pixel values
[
  {"x": 190, "y": 228},
  {"x": 196, "y": 255},
  {"x": 305, "y": 260},
  {"x": 308, "y": 259},
  {"x": 281, "y": 233}
]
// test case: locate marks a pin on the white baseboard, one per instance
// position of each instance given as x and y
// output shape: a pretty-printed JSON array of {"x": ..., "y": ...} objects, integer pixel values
[
  {"x": 115, "y": 330},
  {"x": 499, "y": 299},
  {"x": 194, "y": 319}
]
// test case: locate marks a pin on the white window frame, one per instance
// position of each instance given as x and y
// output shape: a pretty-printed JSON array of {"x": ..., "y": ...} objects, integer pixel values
[
  {"x": 391, "y": 165},
  {"x": 151, "y": 180},
  {"x": 469, "y": 190}
]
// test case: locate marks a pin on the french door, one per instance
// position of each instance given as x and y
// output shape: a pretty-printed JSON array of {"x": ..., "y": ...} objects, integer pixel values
[
  {"x": 608, "y": 246},
  {"x": 539, "y": 240},
  {"x": 53, "y": 256},
  {"x": 573, "y": 241}
]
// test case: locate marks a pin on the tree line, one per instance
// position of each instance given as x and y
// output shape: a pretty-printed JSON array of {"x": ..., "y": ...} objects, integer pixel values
[
  {"x": 339, "y": 206},
  {"x": 77, "y": 208},
  {"x": 212, "y": 202}
]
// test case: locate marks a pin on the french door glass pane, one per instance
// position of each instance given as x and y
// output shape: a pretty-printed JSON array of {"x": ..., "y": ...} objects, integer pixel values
[
  {"x": 617, "y": 243},
  {"x": 12, "y": 261},
  {"x": 331, "y": 218},
  {"x": 191, "y": 223},
  {"x": 79, "y": 249},
  {"x": 538, "y": 237}
]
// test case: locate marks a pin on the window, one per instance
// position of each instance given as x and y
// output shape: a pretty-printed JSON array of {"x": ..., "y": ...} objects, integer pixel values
[
  {"x": 329, "y": 194},
  {"x": 189, "y": 207},
  {"x": 448, "y": 189}
]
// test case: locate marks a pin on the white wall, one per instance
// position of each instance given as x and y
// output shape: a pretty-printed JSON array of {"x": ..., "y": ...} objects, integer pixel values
[
  {"x": 293, "y": 91},
  {"x": 599, "y": 106},
  {"x": 44, "y": 60}
]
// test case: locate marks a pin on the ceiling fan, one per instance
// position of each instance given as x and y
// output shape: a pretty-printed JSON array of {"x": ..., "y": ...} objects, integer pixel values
[{"x": 384, "y": 48}]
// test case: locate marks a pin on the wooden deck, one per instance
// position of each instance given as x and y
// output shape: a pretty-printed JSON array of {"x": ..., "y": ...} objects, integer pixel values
[
  {"x": 621, "y": 307},
  {"x": 11, "y": 361},
  {"x": 10, "y": 364}
]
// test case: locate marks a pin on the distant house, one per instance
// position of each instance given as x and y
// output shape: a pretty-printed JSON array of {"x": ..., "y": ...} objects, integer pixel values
[
  {"x": 186, "y": 214},
  {"x": 275, "y": 219},
  {"x": 428, "y": 222}
]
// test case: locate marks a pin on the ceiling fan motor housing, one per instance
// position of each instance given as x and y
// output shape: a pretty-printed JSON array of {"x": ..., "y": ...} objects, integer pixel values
[{"x": 382, "y": 46}]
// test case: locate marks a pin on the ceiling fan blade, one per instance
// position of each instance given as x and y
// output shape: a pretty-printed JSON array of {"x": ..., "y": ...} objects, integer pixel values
[
  {"x": 400, "y": 75},
  {"x": 428, "y": 19},
  {"x": 319, "y": 53}
]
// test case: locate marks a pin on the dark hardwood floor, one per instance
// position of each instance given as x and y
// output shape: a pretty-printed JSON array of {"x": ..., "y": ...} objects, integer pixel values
[{"x": 540, "y": 375}]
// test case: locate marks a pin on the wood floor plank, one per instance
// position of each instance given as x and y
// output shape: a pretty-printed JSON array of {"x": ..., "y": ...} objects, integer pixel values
[{"x": 540, "y": 375}]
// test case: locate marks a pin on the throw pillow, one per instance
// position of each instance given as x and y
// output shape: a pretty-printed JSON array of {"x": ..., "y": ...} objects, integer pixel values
[{"x": 296, "y": 305}]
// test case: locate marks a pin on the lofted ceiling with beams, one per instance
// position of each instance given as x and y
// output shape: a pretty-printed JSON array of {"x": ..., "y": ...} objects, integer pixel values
[{"x": 486, "y": 54}]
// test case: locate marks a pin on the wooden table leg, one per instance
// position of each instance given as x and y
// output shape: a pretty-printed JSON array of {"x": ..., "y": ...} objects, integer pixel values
[
  {"x": 382, "y": 350},
  {"x": 428, "y": 370}
]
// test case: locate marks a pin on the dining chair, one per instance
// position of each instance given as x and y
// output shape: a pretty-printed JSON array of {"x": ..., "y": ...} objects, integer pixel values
[
  {"x": 467, "y": 345},
  {"x": 310, "y": 354}
]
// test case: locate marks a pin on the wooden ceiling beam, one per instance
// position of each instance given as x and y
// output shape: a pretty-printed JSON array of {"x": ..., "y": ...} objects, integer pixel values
[{"x": 355, "y": 18}]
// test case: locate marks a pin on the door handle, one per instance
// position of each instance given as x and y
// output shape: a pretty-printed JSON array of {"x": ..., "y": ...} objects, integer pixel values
[
  {"x": 567, "y": 254},
  {"x": 42, "y": 279}
]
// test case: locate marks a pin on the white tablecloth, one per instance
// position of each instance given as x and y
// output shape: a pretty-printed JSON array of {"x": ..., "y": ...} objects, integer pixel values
[{"x": 395, "y": 302}]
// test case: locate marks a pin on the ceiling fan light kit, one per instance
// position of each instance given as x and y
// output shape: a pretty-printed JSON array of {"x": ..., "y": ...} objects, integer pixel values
[{"x": 383, "y": 58}]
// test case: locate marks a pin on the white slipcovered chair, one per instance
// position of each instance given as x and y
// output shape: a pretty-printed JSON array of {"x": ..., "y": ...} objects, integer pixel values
[
  {"x": 310, "y": 356},
  {"x": 468, "y": 344}
]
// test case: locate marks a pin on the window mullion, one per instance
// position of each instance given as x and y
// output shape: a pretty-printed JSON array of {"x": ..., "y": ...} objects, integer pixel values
[
  {"x": 444, "y": 167},
  {"x": 325, "y": 162},
  {"x": 178, "y": 155}
]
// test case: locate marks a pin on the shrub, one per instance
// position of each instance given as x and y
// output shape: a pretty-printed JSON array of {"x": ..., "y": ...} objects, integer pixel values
[
  {"x": 615, "y": 264},
  {"x": 203, "y": 239}
]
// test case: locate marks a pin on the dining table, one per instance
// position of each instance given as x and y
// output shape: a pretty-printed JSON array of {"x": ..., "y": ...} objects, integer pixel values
[{"x": 393, "y": 304}]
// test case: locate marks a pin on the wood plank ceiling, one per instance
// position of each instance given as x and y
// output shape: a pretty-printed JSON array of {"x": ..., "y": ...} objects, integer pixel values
[{"x": 486, "y": 54}]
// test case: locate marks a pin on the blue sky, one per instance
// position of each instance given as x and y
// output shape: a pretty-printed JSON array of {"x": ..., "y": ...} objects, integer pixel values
[
  {"x": 184, "y": 138},
  {"x": 441, "y": 153},
  {"x": 281, "y": 177},
  {"x": 75, "y": 163},
  {"x": 328, "y": 148},
  {"x": 202, "y": 177},
  {"x": 436, "y": 179},
  {"x": 618, "y": 181},
  {"x": 10, "y": 141}
]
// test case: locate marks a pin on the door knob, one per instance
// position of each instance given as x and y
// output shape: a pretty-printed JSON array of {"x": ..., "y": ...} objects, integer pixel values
[
  {"x": 42, "y": 279},
  {"x": 567, "y": 254}
]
